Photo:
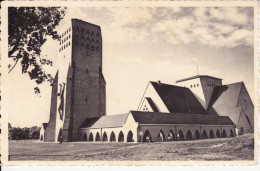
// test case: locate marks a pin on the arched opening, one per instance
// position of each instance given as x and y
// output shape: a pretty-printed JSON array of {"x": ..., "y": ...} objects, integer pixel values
[
  {"x": 189, "y": 135},
  {"x": 121, "y": 137},
  {"x": 197, "y": 135},
  {"x": 130, "y": 136},
  {"x": 241, "y": 132},
  {"x": 97, "y": 137},
  {"x": 147, "y": 136},
  {"x": 180, "y": 135},
  {"x": 85, "y": 137},
  {"x": 160, "y": 136},
  {"x": 224, "y": 134},
  {"x": 205, "y": 135},
  {"x": 171, "y": 136},
  {"x": 211, "y": 134},
  {"x": 104, "y": 137},
  {"x": 59, "y": 135},
  {"x": 231, "y": 133},
  {"x": 91, "y": 137},
  {"x": 218, "y": 134},
  {"x": 41, "y": 137},
  {"x": 112, "y": 137}
]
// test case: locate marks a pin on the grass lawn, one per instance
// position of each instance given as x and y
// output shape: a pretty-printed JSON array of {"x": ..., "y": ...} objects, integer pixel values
[{"x": 224, "y": 149}]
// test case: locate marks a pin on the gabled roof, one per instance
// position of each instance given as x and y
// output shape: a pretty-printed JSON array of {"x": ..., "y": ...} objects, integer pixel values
[
  {"x": 197, "y": 76},
  {"x": 151, "y": 103},
  {"x": 105, "y": 121},
  {"x": 178, "y": 99},
  {"x": 224, "y": 100},
  {"x": 179, "y": 118}
]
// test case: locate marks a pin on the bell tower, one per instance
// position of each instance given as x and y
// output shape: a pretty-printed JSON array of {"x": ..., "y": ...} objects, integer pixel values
[{"x": 202, "y": 87}]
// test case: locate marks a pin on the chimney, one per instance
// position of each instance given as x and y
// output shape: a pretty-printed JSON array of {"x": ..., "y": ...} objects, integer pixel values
[{"x": 159, "y": 82}]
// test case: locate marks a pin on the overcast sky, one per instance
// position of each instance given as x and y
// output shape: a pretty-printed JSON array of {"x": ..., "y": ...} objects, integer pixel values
[{"x": 150, "y": 44}]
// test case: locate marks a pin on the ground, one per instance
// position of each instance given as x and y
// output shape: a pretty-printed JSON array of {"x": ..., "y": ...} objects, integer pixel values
[{"x": 224, "y": 149}]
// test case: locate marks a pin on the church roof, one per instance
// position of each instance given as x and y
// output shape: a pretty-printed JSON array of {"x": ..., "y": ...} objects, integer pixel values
[
  {"x": 178, "y": 99},
  {"x": 224, "y": 100},
  {"x": 105, "y": 121},
  {"x": 151, "y": 103},
  {"x": 196, "y": 76},
  {"x": 179, "y": 118}
]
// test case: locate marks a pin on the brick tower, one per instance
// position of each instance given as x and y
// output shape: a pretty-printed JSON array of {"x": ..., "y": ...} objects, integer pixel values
[{"x": 80, "y": 91}]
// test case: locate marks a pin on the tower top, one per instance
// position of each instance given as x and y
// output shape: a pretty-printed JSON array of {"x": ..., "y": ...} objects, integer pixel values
[{"x": 197, "y": 76}]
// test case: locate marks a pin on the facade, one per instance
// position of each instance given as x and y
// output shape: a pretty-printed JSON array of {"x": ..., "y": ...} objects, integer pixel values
[
  {"x": 156, "y": 126},
  {"x": 78, "y": 89},
  {"x": 197, "y": 107}
]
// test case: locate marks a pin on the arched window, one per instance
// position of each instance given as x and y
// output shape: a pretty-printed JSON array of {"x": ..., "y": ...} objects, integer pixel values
[
  {"x": 112, "y": 137},
  {"x": 197, "y": 135},
  {"x": 231, "y": 133},
  {"x": 92, "y": 41},
  {"x": 171, "y": 136},
  {"x": 180, "y": 135},
  {"x": 130, "y": 136},
  {"x": 85, "y": 137},
  {"x": 87, "y": 31},
  {"x": 97, "y": 137},
  {"x": 189, "y": 135},
  {"x": 97, "y": 41},
  {"x": 191, "y": 86},
  {"x": 224, "y": 134},
  {"x": 70, "y": 29},
  {"x": 147, "y": 136},
  {"x": 92, "y": 48},
  {"x": 205, "y": 135},
  {"x": 121, "y": 137},
  {"x": 82, "y": 30},
  {"x": 198, "y": 85},
  {"x": 93, "y": 34},
  {"x": 218, "y": 134},
  {"x": 194, "y": 85},
  {"x": 104, "y": 137},
  {"x": 91, "y": 137},
  {"x": 69, "y": 36},
  {"x": 211, "y": 134},
  {"x": 97, "y": 49},
  {"x": 160, "y": 136}
]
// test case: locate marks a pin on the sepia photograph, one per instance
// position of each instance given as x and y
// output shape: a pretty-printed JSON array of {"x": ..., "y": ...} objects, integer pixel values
[{"x": 131, "y": 83}]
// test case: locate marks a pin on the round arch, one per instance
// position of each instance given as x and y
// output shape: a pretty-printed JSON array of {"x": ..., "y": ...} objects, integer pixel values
[
  {"x": 97, "y": 137},
  {"x": 121, "y": 137},
  {"x": 197, "y": 135},
  {"x": 112, "y": 137},
  {"x": 130, "y": 136},
  {"x": 171, "y": 136},
  {"x": 91, "y": 137},
  {"x": 231, "y": 133},
  {"x": 147, "y": 136},
  {"x": 224, "y": 133},
  {"x": 180, "y": 135},
  {"x": 104, "y": 137},
  {"x": 211, "y": 134},
  {"x": 161, "y": 136},
  {"x": 189, "y": 135},
  {"x": 218, "y": 134},
  {"x": 85, "y": 137},
  {"x": 204, "y": 134}
]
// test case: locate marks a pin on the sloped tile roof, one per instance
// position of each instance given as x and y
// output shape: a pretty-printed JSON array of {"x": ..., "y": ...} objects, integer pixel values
[
  {"x": 178, "y": 99},
  {"x": 105, "y": 121},
  {"x": 197, "y": 76},
  {"x": 179, "y": 118},
  {"x": 151, "y": 103},
  {"x": 224, "y": 101}
]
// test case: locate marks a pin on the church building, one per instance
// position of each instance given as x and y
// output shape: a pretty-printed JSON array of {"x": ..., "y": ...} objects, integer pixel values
[{"x": 197, "y": 107}]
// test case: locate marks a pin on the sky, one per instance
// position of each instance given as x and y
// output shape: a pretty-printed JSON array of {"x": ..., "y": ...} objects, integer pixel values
[{"x": 149, "y": 44}]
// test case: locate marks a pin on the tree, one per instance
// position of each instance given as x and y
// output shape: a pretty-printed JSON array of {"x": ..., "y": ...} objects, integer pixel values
[{"x": 28, "y": 28}]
